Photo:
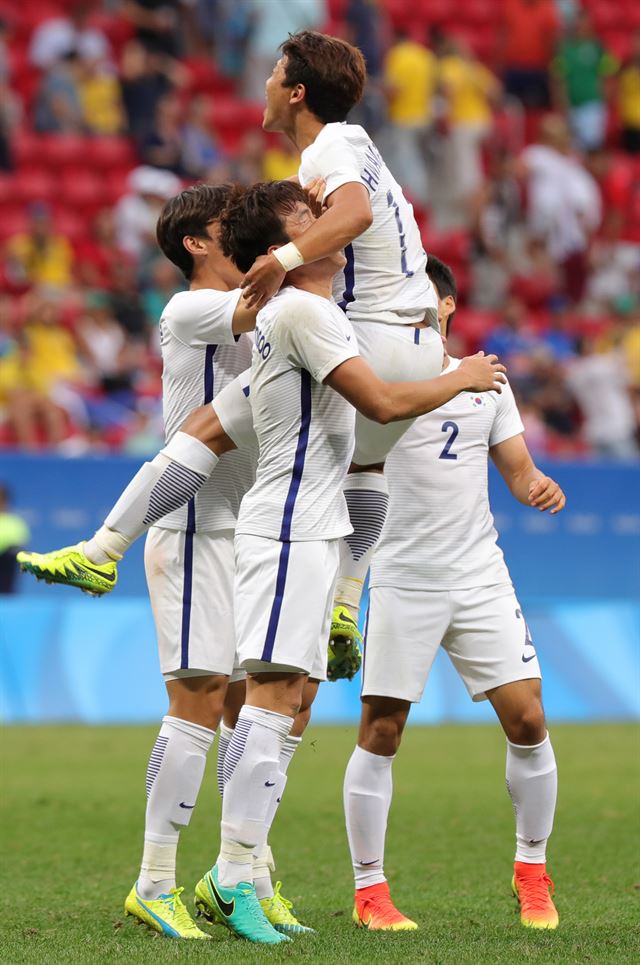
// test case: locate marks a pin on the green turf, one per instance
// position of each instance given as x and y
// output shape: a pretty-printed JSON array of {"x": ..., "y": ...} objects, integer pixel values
[{"x": 73, "y": 804}]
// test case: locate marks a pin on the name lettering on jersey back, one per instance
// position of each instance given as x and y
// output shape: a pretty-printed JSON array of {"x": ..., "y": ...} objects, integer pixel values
[
  {"x": 262, "y": 347},
  {"x": 372, "y": 167}
]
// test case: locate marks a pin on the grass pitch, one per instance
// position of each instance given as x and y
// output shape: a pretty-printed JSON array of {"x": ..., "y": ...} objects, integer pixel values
[{"x": 72, "y": 810}]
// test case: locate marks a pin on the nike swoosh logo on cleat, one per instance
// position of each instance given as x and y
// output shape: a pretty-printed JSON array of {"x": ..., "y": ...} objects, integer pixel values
[
  {"x": 109, "y": 577},
  {"x": 345, "y": 619},
  {"x": 187, "y": 807},
  {"x": 226, "y": 907}
]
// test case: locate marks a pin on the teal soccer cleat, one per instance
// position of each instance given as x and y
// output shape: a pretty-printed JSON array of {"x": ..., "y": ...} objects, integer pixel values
[{"x": 238, "y": 909}]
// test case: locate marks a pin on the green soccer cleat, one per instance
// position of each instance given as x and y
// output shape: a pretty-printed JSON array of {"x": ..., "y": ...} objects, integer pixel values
[
  {"x": 238, "y": 909},
  {"x": 277, "y": 910},
  {"x": 71, "y": 567},
  {"x": 344, "y": 657},
  {"x": 165, "y": 914}
]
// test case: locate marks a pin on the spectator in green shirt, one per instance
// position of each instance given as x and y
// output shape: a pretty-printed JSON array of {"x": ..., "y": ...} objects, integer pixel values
[
  {"x": 14, "y": 535},
  {"x": 580, "y": 70}
]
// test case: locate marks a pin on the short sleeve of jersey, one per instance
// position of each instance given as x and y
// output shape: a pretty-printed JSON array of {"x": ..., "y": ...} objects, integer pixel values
[
  {"x": 507, "y": 422},
  {"x": 314, "y": 339},
  {"x": 203, "y": 317},
  {"x": 333, "y": 159}
]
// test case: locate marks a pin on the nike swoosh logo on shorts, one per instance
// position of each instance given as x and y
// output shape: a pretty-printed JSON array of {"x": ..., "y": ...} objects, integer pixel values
[
  {"x": 527, "y": 659},
  {"x": 226, "y": 907}
]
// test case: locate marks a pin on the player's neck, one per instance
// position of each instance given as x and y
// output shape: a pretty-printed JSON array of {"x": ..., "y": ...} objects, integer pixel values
[
  {"x": 206, "y": 277},
  {"x": 312, "y": 281},
  {"x": 304, "y": 130}
]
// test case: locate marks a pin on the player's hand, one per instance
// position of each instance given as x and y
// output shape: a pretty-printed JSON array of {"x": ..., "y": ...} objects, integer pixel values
[
  {"x": 484, "y": 372},
  {"x": 545, "y": 493},
  {"x": 315, "y": 193},
  {"x": 262, "y": 281}
]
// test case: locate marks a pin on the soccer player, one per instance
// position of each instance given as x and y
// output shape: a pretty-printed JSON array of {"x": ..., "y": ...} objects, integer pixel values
[
  {"x": 438, "y": 564},
  {"x": 305, "y": 371},
  {"x": 383, "y": 287}
]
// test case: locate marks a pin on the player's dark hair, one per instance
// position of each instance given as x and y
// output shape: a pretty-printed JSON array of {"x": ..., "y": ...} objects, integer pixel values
[
  {"x": 444, "y": 280},
  {"x": 254, "y": 220},
  {"x": 189, "y": 213},
  {"x": 333, "y": 73}
]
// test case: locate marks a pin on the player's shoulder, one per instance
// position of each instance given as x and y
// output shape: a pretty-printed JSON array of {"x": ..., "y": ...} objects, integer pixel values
[
  {"x": 184, "y": 307},
  {"x": 336, "y": 136}
]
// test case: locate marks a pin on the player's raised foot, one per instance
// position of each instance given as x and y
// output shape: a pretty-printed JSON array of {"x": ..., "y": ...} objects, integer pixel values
[
  {"x": 375, "y": 911},
  {"x": 344, "y": 657},
  {"x": 70, "y": 566},
  {"x": 238, "y": 909},
  {"x": 278, "y": 910},
  {"x": 165, "y": 914},
  {"x": 530, "y": 885}
]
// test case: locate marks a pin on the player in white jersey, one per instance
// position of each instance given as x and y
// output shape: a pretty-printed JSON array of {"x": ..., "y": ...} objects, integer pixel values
[
  {"x": 439, "y": 565},
  {"x": 383, "y": 287},
  {"x": 293, "y": 517}
]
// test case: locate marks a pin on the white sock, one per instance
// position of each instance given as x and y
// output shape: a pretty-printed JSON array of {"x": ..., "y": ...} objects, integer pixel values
[
  {"x": 368, "y": 787},
  {"x": 532, "y": 782},
  {"x": 263, "y": 863},
  {"x": 224, "y": 739},
  {"x": 174, "y": 776},
  {"x": 251, "y": 768},
  {"x": 367, "y": 496},
  {"x": 169, "y": 481}
]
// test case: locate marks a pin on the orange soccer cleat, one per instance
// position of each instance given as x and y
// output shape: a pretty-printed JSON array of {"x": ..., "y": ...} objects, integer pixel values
[
  {"x": 375, "y": 910},
  {"x": 531, "y": 885}
]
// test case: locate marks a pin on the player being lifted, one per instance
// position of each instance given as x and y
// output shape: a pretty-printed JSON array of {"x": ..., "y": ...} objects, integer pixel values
[
  {"x": 383, "y": 288},
  {"x": 305, "y": 371},
  {"x": 439, "y": 565}
]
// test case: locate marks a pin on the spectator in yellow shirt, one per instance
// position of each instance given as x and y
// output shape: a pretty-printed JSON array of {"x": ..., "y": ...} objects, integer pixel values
[
  {"x": 410, "y": 78},
  {"x": 280, "y": 161},
  {"x": 629, "y": 99},
  {"x": 470, "y": 90},
  {"x": 40, "y": 256},
  {"x": 100, "y": 98}
]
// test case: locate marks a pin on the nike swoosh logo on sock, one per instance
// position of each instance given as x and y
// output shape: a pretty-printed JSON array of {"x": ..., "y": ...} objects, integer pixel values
[
  {"x": 365, "y": 864},
  {"x": 187, "y": 807},
  {"x": 269, "y": 783}
]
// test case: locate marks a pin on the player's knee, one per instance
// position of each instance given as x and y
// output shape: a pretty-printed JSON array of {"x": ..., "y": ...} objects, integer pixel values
[
  {"x": 528, "y": 727},
  {"x": 203, "y": 424},
  {"x": 383, "y": 735}
]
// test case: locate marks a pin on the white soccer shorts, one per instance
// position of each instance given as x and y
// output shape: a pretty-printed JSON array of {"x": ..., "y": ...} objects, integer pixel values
[
  {"x": 283, "y": 603},
  {"x": 483, "y": 631},
  {"x": 190, "y": 581},
  {"x": 397, "y": 353},
  {"x": 233, "y": 408}
]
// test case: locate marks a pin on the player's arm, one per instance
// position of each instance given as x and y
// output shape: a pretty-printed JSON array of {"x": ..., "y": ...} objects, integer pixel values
[
  {"x": 386, "y": 402},
  {"x": 348, "y": 214},
  {"x": 527, "y": 483},
  {"x": 244, "y": 317}
]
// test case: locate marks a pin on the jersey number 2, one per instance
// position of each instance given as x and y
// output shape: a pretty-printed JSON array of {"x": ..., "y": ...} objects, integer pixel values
[{"x": 453, "y": 428}]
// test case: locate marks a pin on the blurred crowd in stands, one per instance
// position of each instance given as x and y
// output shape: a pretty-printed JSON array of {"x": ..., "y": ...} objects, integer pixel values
[{"x": 513, "y": 125}]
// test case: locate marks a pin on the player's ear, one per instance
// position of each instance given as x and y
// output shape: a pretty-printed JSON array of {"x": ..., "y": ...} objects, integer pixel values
[
  {"x": 449, "y": 305},
  {"x": 297, "y": 94},
  {"x": 195, "y": 246}
]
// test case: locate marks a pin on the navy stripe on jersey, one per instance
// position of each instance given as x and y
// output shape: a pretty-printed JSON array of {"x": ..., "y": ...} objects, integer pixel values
[
  {"x": 349, "y": 279},
  {"x": 301, "y": 451},
  {"x": 187, "y": 581},
  {"x": 287, "y": 516}
]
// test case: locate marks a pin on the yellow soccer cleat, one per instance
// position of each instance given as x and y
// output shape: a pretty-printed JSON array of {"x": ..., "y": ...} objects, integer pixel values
[
  {"x": 344, "y": 657},
  {"x": 375, "y": 911},
  {"x": 530, "y": 885},
  {"x": 70, "y": 566},
  {"x": 278, "y": 911},
  {"x": 165, "y": 914}
]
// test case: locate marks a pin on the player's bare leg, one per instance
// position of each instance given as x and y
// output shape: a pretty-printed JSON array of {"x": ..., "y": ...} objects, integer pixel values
[
  {"x": 367, "y": 799},
  {"x": 532, "y": 781},
  {"x": 174, "y": 775}
]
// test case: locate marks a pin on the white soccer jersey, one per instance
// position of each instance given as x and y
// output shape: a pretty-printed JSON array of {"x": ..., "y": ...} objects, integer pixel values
[
  {"x": 200, "y": 356},
  {"x": 304, "y": 429},
  {"x": 439, "y": 532},
  {"x": 384, "y": 278}
]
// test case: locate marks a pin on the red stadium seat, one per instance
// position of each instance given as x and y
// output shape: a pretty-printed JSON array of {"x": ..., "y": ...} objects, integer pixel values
[
  {"x": 63, "y": 150},
  {"x": 13, "y": 221},
  {"x": 34, "y": 184},
  {"x": 27, "y": 148},
  {"x": 70, "y": 224},
  {"x": 81, "y": 190},
  {"x": 110, "y": 153}
]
